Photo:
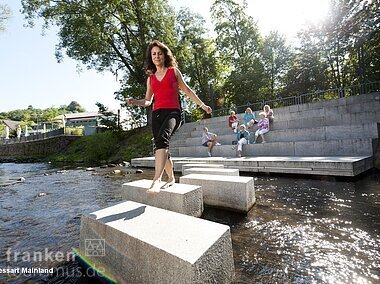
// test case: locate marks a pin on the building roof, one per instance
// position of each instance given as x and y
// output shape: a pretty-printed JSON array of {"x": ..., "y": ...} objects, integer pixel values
[
  {"x": 12, "y": 124},
  {"x": 77, "y": 115}
]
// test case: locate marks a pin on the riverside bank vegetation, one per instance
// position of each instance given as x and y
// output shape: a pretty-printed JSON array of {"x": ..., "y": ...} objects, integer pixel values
[{"x": 107, "y": 147}]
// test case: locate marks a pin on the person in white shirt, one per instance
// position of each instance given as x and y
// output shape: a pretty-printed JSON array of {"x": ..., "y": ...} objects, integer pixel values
[{"x": 209, "y": 140}]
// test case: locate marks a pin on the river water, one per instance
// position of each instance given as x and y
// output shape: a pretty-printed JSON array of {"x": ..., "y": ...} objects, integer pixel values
[{"x": 319, "y": 230}]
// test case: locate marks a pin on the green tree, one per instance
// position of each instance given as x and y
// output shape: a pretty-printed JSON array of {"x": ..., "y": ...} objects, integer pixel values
[
  {"x": 109, "y": 119},
  {"x": 349, "y": 41},
  {"x": 277, "y": 57},
  {"x": 239, "y": 44},
  {"x": 196, "y": 55},
  {"x": 308, "y": 71},
  {"x": 108, "y": 35},
  {"x": 5, "y": 14},
  {"x": 74, "y": 106}
]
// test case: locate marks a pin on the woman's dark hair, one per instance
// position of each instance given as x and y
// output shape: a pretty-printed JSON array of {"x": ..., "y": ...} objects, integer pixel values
[{"x": 169, "y": 58}]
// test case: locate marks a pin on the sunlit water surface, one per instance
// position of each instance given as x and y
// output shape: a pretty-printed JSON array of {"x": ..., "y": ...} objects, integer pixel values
[{"x": 301, "y": 230}]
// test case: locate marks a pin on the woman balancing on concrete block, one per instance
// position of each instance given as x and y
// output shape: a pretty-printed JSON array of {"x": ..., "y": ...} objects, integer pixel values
[{"x": 162, "y": 84}]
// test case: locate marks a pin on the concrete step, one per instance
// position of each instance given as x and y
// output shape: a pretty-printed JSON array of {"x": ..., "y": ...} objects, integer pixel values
[
  {"x": 181, "y": 166},
  {"x": 312, "y": 165},
  {"x": 354, "y": 104},
  {"x": 181, "y": 198},
  {"x": 369, "y": 130},
  {"x": 342, "y": 147},
  {"x": 307, "y": 122},
  {"x": 211, "y": 171},
  {"x": 228, "y": 192},
  {"x": 137, "y": 243}
]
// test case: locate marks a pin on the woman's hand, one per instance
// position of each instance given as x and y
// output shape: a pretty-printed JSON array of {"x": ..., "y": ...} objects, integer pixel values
[
  {"x": 207, "y": 109},
  {"x": 131, "y": 102}
]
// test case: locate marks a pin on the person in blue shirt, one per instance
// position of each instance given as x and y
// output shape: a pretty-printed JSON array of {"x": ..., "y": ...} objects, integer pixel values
[
  {"x": 242, "y": 138},
  {"x": 249, "y": 118}
]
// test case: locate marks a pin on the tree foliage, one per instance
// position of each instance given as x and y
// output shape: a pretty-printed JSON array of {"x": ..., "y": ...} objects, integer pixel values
[
  {"x": 31, "y": 115},
  {"x": 239, "y": 44},
  {"x": 242, "y": 65},
  {"x": 5, "y": 14}
]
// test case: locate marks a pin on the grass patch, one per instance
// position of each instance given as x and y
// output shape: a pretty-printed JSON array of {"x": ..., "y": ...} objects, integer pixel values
[{"x": 108, "y": 146}]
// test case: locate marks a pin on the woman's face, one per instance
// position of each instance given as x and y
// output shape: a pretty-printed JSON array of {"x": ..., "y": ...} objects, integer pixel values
[
  {"x": 158, "y": 56},
  {"x": 266, "y": 109},
  {"x": 247, "y": 110}
]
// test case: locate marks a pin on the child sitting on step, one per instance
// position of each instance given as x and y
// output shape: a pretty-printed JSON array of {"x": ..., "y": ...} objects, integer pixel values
[{"x": 263, "y": 127}]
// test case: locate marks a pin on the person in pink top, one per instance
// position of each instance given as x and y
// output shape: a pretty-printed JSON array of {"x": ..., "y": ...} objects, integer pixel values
[
  {"x": 263, "y": 125},
  {"x": 163, "y": 83}
]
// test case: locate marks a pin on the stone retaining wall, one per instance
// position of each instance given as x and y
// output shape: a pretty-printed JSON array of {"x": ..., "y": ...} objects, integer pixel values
[{"x": 38, "y": 148}]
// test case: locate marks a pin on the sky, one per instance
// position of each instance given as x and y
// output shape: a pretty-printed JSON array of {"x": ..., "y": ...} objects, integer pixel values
[{"x": 30, "y": 74}]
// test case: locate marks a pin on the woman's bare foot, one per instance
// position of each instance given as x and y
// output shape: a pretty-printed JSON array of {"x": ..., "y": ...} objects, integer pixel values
[
  {"x": 155, "y": 187},
  {"x": 168, "y": 184}
]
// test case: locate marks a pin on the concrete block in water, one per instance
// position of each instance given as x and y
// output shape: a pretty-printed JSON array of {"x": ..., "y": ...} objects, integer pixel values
[
  {"x": 211, "y": 171},
  {"x": 178, "y": 165},
  {"x": 181, "y": 198},
  {"x": 145, "y": 244},
  {"x": 234, "y": 193},
  {"x": 200, "y": 165}
]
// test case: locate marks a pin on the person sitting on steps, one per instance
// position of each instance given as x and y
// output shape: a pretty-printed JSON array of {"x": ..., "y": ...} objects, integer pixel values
[
  {"x": 242, "y": 139},
  {"x": 269, "y": 112},
  {"x": 233, "y": 121},
  {"x": 209, "y": 140},
  {"x": 249, "y": 118},
  {"x": 263, "y": 125}
]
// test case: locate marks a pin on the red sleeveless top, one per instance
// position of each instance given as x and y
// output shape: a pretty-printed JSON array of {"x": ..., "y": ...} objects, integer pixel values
[{"x": 165, "y": 91}]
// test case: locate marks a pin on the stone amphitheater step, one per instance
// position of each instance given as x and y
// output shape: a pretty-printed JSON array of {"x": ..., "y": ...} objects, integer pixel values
[
  {"x": 307, "y": 122},
  {"x": 354, "y": 104},
  {"x": 225, "y": 136},
  {"x": 342, "y": 147},
  {"x": 311, "y": 165}
]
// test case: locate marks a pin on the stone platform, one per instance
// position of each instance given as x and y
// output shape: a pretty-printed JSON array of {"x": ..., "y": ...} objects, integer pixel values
[
  {"x": 181, "y": 198},
  {"x": 324, "y": 165},
  {"x": 233, "y": 193},
  {"x": 211, "y": 171},
  {"x": 145, "y": 244}
]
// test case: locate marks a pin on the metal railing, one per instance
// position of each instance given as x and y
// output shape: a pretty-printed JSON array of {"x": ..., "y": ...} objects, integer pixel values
[
  {"x": 33, "y": 137},
  {"x": 313, "y": 97}
]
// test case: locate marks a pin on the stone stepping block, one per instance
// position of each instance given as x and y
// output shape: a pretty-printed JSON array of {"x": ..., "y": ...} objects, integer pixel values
[
  {"x": 137, "y": 243},
  {"x": 214, "y": 166},
  {"x": 179, "y": 165},
  {"x": 182, "y": 198},
  {"x": 234, "y": 193},
  {"x": 212, "y": 171}
]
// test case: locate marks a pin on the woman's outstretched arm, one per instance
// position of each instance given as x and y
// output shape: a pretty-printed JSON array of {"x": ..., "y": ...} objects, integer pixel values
[
  {"x": 147, "y": 101},
  {"x": 189, "y": 92}
]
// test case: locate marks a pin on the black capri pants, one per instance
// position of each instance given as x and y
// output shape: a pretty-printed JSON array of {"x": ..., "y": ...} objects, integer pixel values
[{"x": 164, "y": 123}]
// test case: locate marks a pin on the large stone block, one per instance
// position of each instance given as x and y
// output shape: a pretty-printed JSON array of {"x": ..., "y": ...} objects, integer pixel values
[
  {"x": 178, "y": 165},
  {"x": 181, "y": 198},
  {"x": 145, "y": 244},
  {"x": 201, "y": 165},
  {"x": 228, "y": 192},
  {"x": 211, "y": 171}
]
